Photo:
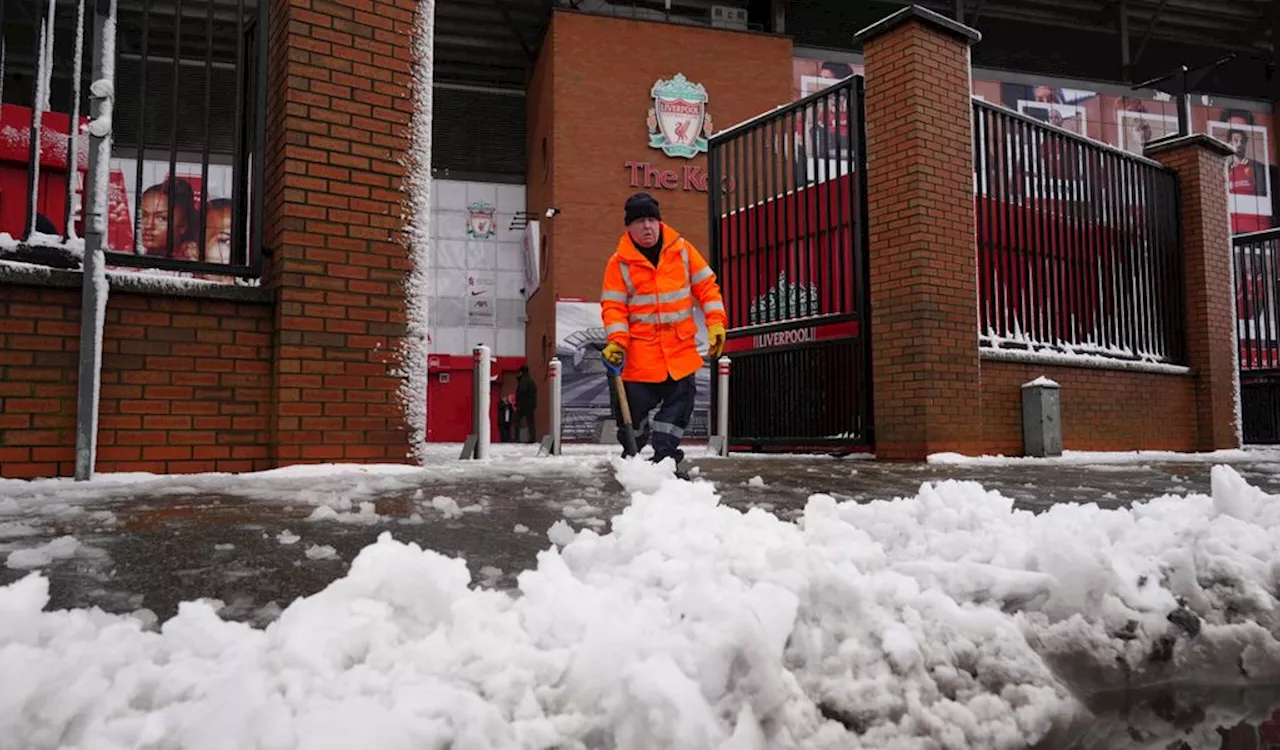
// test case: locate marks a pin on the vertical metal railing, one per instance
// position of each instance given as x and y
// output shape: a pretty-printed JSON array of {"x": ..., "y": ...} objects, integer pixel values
[
  {"x": 784, "y": 211},
  {"x": 1256, "y": 257},
  {"x": 787, "y": 195},
  {"x": 185, "y": 179},
  {"x": 1256, "y": 270},
  {"x": 1078, "y": 245}
]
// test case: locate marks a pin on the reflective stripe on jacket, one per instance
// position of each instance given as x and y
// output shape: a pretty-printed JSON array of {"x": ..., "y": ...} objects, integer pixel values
[{"x": 649, "y": 310}]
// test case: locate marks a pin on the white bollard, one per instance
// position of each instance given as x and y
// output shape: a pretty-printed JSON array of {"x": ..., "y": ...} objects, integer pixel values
[
  {"x": 480, "y": 402},
  {"x": 553, "y": 382},
  {"x": 722, "y": 406}
]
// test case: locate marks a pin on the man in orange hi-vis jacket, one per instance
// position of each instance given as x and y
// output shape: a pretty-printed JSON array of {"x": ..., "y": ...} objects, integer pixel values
[{"x": 651, "y": 285}]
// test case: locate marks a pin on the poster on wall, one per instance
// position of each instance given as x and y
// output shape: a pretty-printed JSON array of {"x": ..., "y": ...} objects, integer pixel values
[
  {"x": 823, "y": 130},
  {"x": 480, "y": 300},
  {"x": 478, "y": 266},
  {"x": 140, "y": 220},
  {"x": 1247, "y": 173},
  {"x": 149, "y": 210},
  {"x": 585, "y": 386},
  {"x": 1126, "y": 121}
]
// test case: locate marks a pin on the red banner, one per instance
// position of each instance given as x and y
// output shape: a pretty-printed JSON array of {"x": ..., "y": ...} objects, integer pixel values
[
  {"x": 791, "y": 256},
  {"x": 792, "y": 337}
]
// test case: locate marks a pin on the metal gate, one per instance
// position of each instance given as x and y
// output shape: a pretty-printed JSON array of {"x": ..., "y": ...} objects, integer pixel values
[
  {"x": 1257, "y": 277},
  {"x": 788, "y": 244}
]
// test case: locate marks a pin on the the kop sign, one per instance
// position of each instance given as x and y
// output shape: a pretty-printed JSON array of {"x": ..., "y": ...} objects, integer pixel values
[{"x": 679, "y": 126}]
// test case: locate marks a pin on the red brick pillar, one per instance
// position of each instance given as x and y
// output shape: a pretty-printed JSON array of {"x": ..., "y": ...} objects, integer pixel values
[
  {"x": 339, "y": 107},
  {"x": 923, "y": 252},
  {"x": 1206, "y": 252}
]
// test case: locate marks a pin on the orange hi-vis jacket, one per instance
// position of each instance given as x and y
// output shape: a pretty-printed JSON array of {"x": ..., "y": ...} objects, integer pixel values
[{"x": 649, "y": 311}]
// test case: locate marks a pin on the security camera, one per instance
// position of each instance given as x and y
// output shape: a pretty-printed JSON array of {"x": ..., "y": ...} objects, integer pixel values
[{"x": 551, "y": 212}]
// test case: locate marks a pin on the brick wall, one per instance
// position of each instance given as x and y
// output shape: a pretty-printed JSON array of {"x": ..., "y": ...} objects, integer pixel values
[
  {"x": 238, "y": 379},
  {"x": 540, "y": 309},
  {"x": 589, "y": 97},
  {"x": 338, "y": 115},
  {"x": 185, "y": 381},
  {"x": 923, "y": 289},
  {"x": 1102, "y": 410},
  {"x": 1211, "y": 312}
]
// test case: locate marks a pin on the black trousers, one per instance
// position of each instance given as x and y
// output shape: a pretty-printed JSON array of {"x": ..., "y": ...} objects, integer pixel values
[
  {"x": 524, "y": 418},
  {"x": 673, "y": 400}
]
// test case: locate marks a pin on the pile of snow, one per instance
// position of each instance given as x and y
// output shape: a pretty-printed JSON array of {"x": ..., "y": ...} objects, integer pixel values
[
  {"x": 367, "y": 515},
  {"x": 62, "y": 548},
  {"x": 321, "y": 552},
  {"x": 944, "y": 620}
]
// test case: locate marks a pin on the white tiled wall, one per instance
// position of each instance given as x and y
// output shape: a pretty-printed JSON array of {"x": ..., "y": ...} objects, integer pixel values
[{"x": 454, "y": 256}]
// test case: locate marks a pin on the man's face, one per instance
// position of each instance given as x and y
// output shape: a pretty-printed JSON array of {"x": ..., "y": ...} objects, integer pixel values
[
  {"x": 1236, "y": 141},
  {"x": 217, "y": 237},
  {"x": 644, "y": 232}
]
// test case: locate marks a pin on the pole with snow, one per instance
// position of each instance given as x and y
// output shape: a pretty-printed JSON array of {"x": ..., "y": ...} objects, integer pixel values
[
  {"x": 94, "y": 294},
  {"x": 722, "y": 406},
  {"x": 73, "y": 140},
  {"x": 480, "y": 402},
  {"x": 554, "y": 381}
]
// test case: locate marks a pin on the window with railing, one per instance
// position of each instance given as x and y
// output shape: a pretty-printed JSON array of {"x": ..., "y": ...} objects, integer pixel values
[
  {"x": 1078, "y": 246},
  {"x": 184, "y": 184}
]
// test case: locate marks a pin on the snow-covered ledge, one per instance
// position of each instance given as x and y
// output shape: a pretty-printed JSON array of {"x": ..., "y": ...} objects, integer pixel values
[
  {"x": 27, "y": 274},
  {"x": 1090, "y": 361}
]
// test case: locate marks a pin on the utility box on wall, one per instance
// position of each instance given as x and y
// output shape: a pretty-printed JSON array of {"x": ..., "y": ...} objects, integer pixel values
[{"x": 1041, "y": 418}]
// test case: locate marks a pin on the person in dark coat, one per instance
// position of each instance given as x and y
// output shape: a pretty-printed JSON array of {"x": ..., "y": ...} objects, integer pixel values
[
  {"x": 506, "y": 419},
  {"x": 526, "y": 403}
]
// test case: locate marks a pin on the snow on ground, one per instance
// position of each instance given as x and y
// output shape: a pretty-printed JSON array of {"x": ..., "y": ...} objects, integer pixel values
[
  {"x": 341, "y": 487},
  {"x": 947, "y": 619},
  {"x": 1096, "y": 458}
]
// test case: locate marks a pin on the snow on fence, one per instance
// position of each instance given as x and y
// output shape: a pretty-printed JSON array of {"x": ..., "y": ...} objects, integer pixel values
[
  {"x": 185, "y": 174},
  {"x": 1078, "y": 247}
]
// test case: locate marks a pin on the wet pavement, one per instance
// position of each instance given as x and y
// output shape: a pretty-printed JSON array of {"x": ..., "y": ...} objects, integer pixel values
[{"x": 152, "y": 545}]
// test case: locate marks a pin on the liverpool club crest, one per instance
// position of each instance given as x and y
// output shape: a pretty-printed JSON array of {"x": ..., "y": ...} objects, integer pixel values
[
  {"x": 480, "y": 222},
  {"x": 678, "y": 120}
]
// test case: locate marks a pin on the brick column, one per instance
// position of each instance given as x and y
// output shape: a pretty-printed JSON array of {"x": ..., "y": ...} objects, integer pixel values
[
  {"x": 923, "y": 252},
  {"x": 337, "y": 131},
  {"x": 1206, "y": 251}
]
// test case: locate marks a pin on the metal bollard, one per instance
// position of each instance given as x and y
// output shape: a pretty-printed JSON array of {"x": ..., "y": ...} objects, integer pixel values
[
  {"x": 480, "y": 402},
  {"x": 721, "y": 442},
  {"x": 552, "y": 442}
]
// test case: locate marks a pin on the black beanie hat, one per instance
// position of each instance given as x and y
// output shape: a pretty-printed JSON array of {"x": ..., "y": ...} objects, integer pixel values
[{"x": 641, "y": 206}]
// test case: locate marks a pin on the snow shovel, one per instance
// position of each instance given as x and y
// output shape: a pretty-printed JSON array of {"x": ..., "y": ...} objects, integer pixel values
[{"x": 624, "y": 408}]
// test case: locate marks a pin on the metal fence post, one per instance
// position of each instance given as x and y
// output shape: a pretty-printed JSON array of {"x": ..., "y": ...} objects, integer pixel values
[
  {"x": 480, "y": 403},
  {"x": 720, "y": 441},
  {"x": 93, "y": 298}
]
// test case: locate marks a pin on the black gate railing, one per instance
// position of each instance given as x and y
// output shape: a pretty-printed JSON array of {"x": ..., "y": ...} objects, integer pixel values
[
  {"x": 788, "y": 244},
  {"x": 1078, "y": 248},
  {"x": 1256, "y": 260}
]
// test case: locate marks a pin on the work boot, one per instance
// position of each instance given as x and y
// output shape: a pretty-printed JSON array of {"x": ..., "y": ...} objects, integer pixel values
[{"x": 678, "y": 458}]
